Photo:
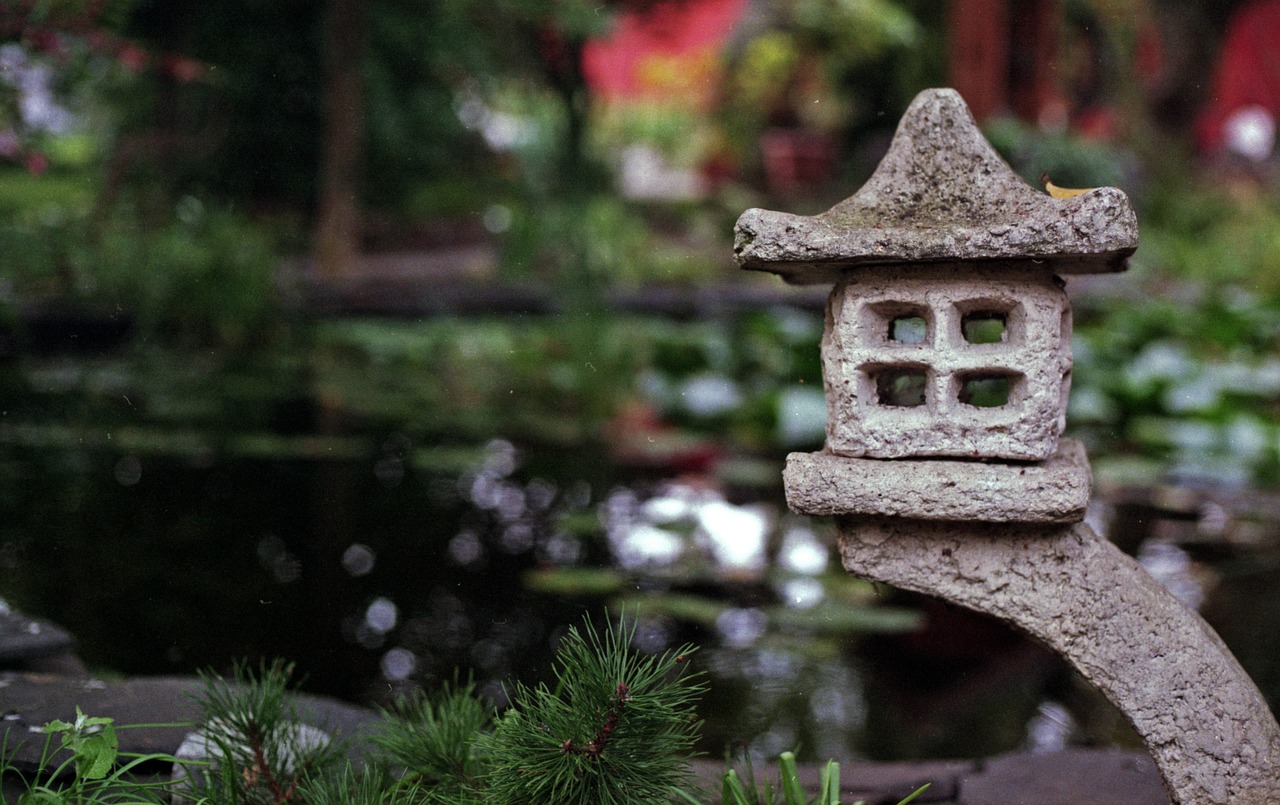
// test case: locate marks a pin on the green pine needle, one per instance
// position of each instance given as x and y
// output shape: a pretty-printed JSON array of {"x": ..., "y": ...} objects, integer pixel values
[
  {"x": 434, "y": 741},
  {"x": 619, "y": 728},
  {"x": 261, "y": 754}
]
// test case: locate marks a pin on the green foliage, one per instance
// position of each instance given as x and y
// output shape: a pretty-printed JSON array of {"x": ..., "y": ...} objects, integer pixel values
[
  {"x": 204, "y": 275},
  {"x": 1178, "y": 374},
  {"x": 617, "y": 728},
  {"x": 1069, "y": 160},
  {"x": 851, "y": 32},
  {"x": 93, "y": 741},
  {"x": 418, "y": 56},
  {"x": 571, "y": 374},
  {"x": 372, "y": 785},
  {"x": 259, "y": 753},
  {"x": 64, "y": 38},
  {"x": 434, "y": 740},
  {"x": 682, "y": 135},
  {"x": 24, "y": 196},
  {"x": 825, "y": 64},
  {"x": 208, "y": 273},
  {"x": 87, "y": 767},
  {"x": 265, "y": 103},
  {"x": 584, "y": 244}
]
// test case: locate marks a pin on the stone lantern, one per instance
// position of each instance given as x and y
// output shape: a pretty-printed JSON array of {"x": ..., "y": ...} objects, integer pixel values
[
  {"x": 947, "y": 364},
  {"x": 948, "y": 329}
]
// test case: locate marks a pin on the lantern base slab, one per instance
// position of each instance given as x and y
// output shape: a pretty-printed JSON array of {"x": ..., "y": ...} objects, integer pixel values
[{"x": 1055, "y": 490}]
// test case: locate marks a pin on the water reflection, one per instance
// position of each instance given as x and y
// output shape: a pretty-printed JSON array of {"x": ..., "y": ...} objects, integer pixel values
[
  {"x": 682, "y": 522},
  {"x": 359, "y": 560},
  {"x": 378, "y": 575},
  {"x": 1052, "y": 729}
]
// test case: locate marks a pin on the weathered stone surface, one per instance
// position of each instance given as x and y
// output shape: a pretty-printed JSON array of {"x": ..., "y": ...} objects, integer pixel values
[
  {"x": 864, "y": 349},
  {"x": 1204, "y": 722},
  {"x": 1053, "y": 491},
  {"x": 941, "y": 194}
]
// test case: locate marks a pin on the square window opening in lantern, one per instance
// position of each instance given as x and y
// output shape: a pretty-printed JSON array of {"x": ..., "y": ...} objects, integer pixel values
[
  {"x": 909, "y": 329},
  {"x": 901, "y": 386},
  {"x": 985, "y": 327},
  {"x": 987, "y": 389},
  {"x": 894, "y": 323}
]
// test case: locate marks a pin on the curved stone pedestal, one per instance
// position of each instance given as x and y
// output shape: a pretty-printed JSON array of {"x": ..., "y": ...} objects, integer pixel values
[{"x": 1202, "y": 719}]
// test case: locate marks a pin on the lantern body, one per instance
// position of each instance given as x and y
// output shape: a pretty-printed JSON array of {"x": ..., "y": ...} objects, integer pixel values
[{"x": 963, "y": 360}]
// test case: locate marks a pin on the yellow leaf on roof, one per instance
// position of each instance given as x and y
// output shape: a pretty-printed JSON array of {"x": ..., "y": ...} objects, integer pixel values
[{"x": 1062, "y": 192}]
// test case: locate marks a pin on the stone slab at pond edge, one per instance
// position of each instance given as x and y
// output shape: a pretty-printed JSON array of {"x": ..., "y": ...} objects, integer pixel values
[
  {"x": 30, "y": 700},
  {"x": 1075, "y": 776}
]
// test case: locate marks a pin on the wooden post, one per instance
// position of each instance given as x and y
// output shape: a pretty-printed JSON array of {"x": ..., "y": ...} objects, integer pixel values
[
  {"x": 978, "y": 57},
  {"x": 1034, "y": 30},
  {"x": 337, "y": 235},
  {"x": 1002, "y": 55}
]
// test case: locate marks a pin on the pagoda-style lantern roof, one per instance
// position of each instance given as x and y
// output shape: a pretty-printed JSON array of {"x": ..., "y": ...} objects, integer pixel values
[{"x": 942, "y": 195}]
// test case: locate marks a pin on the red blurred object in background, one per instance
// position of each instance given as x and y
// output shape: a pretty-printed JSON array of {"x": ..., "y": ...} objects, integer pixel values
[
  {"x": 668, "y": 51},
  {"x": 1248, "y": 73}
]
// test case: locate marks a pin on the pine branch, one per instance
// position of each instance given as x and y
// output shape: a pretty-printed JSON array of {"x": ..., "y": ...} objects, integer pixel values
[
  {"x": 262, "y": 750},
  {"x": 597, "y": 745},
  {"x": 618, "y": 728},
  {"x": 435, "y": 739}
]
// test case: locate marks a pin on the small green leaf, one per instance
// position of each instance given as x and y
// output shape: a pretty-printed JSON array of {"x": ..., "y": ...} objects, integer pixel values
[{"x": 96, "y": 754}]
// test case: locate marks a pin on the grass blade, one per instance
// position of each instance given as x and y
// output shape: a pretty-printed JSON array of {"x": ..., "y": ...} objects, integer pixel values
[
  {"x": 829, "y": 794},
  {"x": 915, "y": 794},
  {"x": 791, "y": 789}
]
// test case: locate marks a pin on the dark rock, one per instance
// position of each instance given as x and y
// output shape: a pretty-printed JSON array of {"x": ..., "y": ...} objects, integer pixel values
[
  {"x": 28, "y": 701},
  {"x": 32, "y": 644},
  {"x": 1068, "y": 777}
]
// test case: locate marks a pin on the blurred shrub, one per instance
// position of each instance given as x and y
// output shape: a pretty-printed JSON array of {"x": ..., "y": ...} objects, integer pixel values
[
  {"x": 204, "y": 275},
  {"x": 563, "y": 379},
  {"x": 1070, "y": 160},
  {"x": 1179, "y": 371}
]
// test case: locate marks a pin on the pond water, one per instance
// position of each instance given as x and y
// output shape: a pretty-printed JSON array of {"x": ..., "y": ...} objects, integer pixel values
[
  {"x": 380, "y": 556},
  {"x": 375, "y": 576}
]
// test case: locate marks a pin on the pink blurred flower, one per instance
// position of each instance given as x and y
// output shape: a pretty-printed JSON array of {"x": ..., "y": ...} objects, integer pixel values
[
  {"x": 182, "y": 69},
  {"x": 36, "y": 163},
  {"x": 132, "y": 58},
  {"x": 10, "y": 145}
]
